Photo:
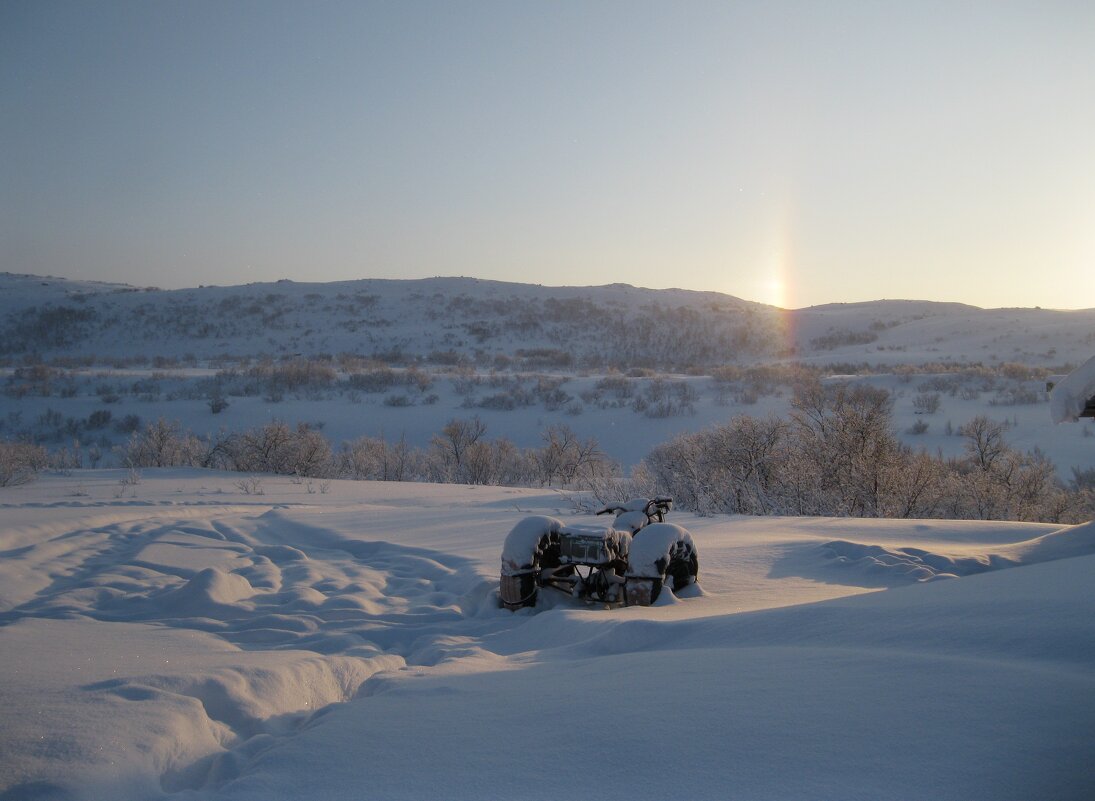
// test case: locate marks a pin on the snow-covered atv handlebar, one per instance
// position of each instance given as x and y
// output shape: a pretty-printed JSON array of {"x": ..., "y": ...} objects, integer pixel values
[
  {"x": 621, "y": 565},
  {"x": 639, "y": 512}
]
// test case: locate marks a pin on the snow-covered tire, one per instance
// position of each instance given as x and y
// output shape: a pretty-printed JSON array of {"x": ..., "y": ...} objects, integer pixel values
[
  {"x": 661, "y": 553},
  {"x": 530, "y": 548},
  {"x": 684, "y": 568},
  {"x": 518, "y": 591}
]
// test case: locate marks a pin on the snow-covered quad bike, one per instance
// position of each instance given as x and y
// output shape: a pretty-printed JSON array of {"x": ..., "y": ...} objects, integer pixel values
[{"x": 629, "y": 561}]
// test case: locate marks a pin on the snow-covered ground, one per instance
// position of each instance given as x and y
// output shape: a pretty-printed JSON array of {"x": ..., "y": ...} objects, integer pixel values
[{"x": 182, "y": 638}]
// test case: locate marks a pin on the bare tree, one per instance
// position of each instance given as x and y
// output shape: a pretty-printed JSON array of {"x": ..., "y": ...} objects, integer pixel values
[
  {"x": 566, "y": 459},
  {"x": 162, "y": 444},
  {"x": 844, "y": 433},
  {"x": 450, "y": 448},
  {"x": 984, "y": 441}
]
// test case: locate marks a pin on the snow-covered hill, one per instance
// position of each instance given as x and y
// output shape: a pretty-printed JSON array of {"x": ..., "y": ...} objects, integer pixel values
[
  {"x": 491, "y": 323},
  {"x": 912, "y": 332},
  {"x": 441, "y": 320},
  {"x": 185, "y": 639}
]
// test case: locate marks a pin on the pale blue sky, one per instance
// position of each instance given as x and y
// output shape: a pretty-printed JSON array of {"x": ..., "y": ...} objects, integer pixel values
[{"x": 795, "y": 153}]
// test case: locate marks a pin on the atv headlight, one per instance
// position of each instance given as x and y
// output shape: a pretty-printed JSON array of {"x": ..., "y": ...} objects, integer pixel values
[{"x": 584, "y": 550}]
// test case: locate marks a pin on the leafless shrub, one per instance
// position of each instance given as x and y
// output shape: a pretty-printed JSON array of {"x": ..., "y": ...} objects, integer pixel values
[
  {"x": 1016, "y": 396},
  {"x": 162, "y": 444},
  {"x": 568, "y": 460},
  {"x": 278, "y": 448},
  {"x": 376, "y": 380},
  {"x": 837, "y": 339},
  {"x": 661, "y": 398},
  {"x": 926, "y": 403},
  {"x": 20, "y": 462},
  {"x": 217, "y": 403},
  {"x": 917, "y": 428},
  {"x": 64, "y": 460},
  {"x": 370, "y": 458},
  {"x": 294, "y": 374},
  {"x": 128, "y": 483},
  {"x": 252, "y": 485},
  {"x": 616, "y": 385}
]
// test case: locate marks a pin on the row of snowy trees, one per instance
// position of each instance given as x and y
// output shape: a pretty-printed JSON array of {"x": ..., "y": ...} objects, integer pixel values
[
  {"x": 837, "y": 454},
  {"x": 460, "y": 453}
]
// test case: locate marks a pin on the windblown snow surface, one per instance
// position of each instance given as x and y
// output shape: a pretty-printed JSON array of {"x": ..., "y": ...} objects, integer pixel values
[{"x": 182, "y": 639}]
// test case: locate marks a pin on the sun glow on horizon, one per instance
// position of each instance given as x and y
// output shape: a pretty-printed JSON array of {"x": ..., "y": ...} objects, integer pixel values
[
  {"x": 774, "y": 292},
  {"x": 777, "y": 266}
]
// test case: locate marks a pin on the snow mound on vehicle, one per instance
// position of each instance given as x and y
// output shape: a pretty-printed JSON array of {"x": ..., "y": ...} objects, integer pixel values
[
  {"x": 522, "y": 541},
  {"x": 631, "y": 521},
  {"x": 652, "y": 545}
]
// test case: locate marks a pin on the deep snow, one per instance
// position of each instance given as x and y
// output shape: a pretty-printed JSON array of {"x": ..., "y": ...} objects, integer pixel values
[{"x": 191, "y": 641}]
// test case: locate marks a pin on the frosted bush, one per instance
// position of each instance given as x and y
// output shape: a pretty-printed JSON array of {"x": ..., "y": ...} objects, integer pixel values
[
  {"x": 926, "y": 403},
  {"x": 20, "y": 462}
]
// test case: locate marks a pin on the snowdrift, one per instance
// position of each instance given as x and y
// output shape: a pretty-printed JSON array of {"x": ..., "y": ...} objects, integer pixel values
[
  {"x": 890, "y": 566},
  {"x": 208, "y": 645}
]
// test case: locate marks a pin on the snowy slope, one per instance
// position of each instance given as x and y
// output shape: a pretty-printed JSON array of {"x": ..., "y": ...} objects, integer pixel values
[
  {"x": 915, "y": 332},
  {"x": 184, "y": 639}
]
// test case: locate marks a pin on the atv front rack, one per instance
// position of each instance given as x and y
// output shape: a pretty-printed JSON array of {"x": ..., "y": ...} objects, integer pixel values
[{"x": 597, "y": 585}]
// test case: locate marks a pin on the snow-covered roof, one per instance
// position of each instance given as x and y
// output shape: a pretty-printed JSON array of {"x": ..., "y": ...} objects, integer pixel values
[{"x": 1072, "y": 393}]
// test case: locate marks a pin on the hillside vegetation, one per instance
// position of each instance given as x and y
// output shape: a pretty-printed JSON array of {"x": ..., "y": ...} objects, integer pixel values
[{"x": 503, "y": 325}]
